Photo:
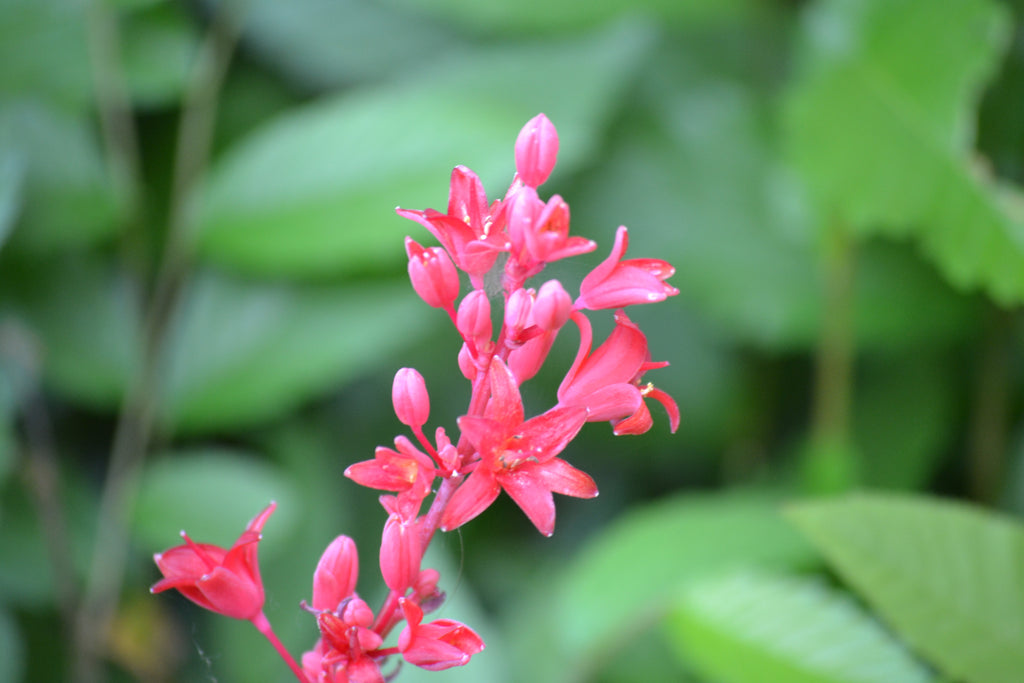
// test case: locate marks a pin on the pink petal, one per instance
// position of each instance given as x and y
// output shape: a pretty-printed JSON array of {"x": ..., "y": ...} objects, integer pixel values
[
  {"x": 473, "y": 497},
  {"x": 531, "y": 496},
  {"x": 563, "y": 478},
  {"x": 506, "y": 404},
  {"x": 336, "y": 574}
]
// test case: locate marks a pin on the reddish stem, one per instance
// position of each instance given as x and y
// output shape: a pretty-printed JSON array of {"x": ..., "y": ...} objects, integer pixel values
[{"x": 262, "y": 625}]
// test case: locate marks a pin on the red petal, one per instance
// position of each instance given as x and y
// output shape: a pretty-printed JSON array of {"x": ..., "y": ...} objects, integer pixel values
[
  {"x": 561, "y": 477},
  {"x": 506, "y": 405},
  {"x": 469, "y": 500},
  {"x": 336, "y": 574},
  {"x": 531, "y": 496}
]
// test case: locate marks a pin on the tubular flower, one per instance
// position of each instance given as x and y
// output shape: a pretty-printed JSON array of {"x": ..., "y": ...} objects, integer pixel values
[
  {"x": 607, "y": 381},
  {"x": 615, "y": 283},
  {"x": 407, "y": 471},
  {"x": 519, "y": 457},
  {"x": 439, "y": 645},
  {"x": 471, "y": 231},
  {"x": 223, "y": 581}
]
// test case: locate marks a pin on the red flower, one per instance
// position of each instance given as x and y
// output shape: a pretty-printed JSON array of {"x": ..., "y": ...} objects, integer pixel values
[
  {"x": 439, "y": 645},
  {"x": 407, "y": 471},
  {"x": 607, "y": 381},
  {"x": 615, "y": 283},
  {"x": 223, "y": 581},
  {"x": 518, "y": 457},
  {"x": 469, "y": 231}
]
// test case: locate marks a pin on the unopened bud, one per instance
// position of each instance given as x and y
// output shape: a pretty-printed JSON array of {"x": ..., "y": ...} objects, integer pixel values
[
  {"x": 410, "y": 398},
  {"x": 553, "y": 306},
  {"x": 536, "y": 150},
  {"x": 432, "y": 273},
  {"x": 474, "y": 317}
]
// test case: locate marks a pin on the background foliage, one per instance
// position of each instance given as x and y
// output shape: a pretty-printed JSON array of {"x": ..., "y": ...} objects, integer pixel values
[{"x": 203, "y": 300}]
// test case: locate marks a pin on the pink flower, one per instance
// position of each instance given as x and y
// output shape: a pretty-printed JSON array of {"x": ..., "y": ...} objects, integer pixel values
[
  {"x": 441, "y": 644},
  {"x": 536, "y": 150},
  {"x": 471, "y": 231},
  {"x": 518, "y": 457},
  {"x": 400, "y": 553},
  {"x": 607, "y": 381},
  {"x": 223, "y": 581},
  {"x": 432, "y": 274},
  {"x": 615, "y": 283},
  {"x": 346, "y": 641},
  {"x": 336, "y": 574},
  {"x": 410, "y": 398},
  {"x": 407, "y": 471}
]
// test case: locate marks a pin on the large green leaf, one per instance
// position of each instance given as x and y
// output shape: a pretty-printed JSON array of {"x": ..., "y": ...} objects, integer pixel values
[
  {"x": 69, "y": 198},
  {"x": 211, "y": 494},
  {"x": 947, "y": 577},
  {"x": 237, "y": 353},
  {"x": 330, "y": 43},
  {"x": 567, "y": 15},
  {"x": 619, "y": 583},
  {"x": 159, "y": 45},
  {"x": 313, "y": 192},
  {"x": 879, "y": 124},
  {"x": 701, "y": 185},
  {"x": 757, "y": 627},
  {"x": 243, "y": 352}
]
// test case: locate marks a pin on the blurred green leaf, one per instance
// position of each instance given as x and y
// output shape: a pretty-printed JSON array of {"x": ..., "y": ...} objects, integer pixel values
[
  {"x": 69, "y": 198},
  {"x": 313, "y": 192},
  {"x": 243, "y": 352},
  {"x": 701, "y": 185},
  {"x": 322, "y": 44},
  {"x": 532, "y": 16},
  {"x": 159, "y": 45},
  {"x": 879, "y": 124},
  {"x": 620, "y": 581},
  {"x": 12, "y": 173},
  {"x": 211, "y": 494},
  {"x": 947, "y": 577},
  {"x": 239, "y": 352},
  {"x": 757, "y": 627},
  {"x": 12, "y": 656},
  {"x": 86, "y": 320},
  {"x": 44, "y": 52}
]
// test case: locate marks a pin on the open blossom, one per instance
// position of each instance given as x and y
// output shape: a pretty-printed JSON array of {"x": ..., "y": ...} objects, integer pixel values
[
  {"x": 226, "y": 581},
  {"x": 607, "y": 381},
  {"x": 518, "y": 457},
  {"x": 439, "y": 645},
  {"x": 615, "y": 283}
]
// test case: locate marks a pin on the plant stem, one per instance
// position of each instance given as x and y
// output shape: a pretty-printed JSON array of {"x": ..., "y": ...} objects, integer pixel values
[
  {"x": 990, "y": 409},
  {"x": 262, "y": 625},
  {"x": 137, "y": 420},
  {"x": 831, "y": 458}
]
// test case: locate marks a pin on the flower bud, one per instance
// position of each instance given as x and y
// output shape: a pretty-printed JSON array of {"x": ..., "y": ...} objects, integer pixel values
[
  {"x": 432, "y": 274},
  {"x": 474, "y": 317},
  {"x": 400, "y": 554},
  {"x": 466, "y": 364},
  {"x": 517, "y": 312},
  {"x": 336, "y": 574},
  {"x": 409, "y": 395},
  {"x": 553, "y": 306},
  {"x": 536, "y": 150}
]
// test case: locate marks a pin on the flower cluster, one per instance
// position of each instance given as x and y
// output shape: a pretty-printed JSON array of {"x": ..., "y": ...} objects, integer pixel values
[{"x": 499, "y": 448}]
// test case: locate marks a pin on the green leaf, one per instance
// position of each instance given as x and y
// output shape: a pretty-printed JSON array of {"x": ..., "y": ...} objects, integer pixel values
[
  {"x": 45, "y": 52},
  {"x": 211, "y": 494},
  {"x": 329, "y": 43},
  {"x": 69, "y": 198},
  {"x": 159, "y": 45},
  {"x": 879, "y": 124},
  {"x": 531, "y": 16},
  {"x": 620, "y": 581},
  {"x": 12, "y": 663},
  {"x": 12, "y": 173},
  {"x": 313, "y": 192},
  {"x": 756, "y": 627},
  {"x": 243, "y": 352},
  {"x": 698, "y": 182},
  {"x": 947, "y": 577}
]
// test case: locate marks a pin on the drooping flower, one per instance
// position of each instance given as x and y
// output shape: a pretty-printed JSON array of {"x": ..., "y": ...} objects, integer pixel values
[
  {"x": 226, "y": 581},
  {"x": 615, "y": 283},
  {"x": 518, "y": 457},
  {"x": 607, "y": 381},
  {"x": 441, "y": 644}
]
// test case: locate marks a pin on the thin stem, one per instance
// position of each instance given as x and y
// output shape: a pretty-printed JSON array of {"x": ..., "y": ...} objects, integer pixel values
[
  {"x": 831, "y": 454},
  {"x": 262, "y": 625},
  {"x": 990, "y": 410},
  {"x": 136, "y": 423}
]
